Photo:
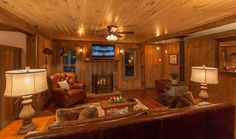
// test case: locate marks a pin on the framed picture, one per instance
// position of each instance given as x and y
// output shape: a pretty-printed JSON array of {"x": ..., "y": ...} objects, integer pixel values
[{"x": 173, "y": 59}]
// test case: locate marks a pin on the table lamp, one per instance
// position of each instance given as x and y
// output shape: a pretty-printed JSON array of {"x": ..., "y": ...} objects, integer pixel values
[
  {"x": 204, "y": 75},
  {"x": 25, "y": 83}
]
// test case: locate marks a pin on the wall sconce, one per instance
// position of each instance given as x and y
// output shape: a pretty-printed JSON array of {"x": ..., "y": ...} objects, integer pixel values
[
  {"x": 80, "y": 50},
  {"x": 166, "y": 51},
  {"x": 159, "y": 60},
  {"x": 158, "y": 48},
  {"x": 121, "y": 51}
]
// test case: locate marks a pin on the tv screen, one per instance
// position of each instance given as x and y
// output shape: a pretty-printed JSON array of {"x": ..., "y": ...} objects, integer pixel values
[{"x": 103, "y": 50}]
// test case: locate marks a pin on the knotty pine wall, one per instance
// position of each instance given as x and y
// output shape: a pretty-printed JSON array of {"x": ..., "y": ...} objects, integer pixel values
[
  {"x": 153, "y": 67},
  {"x": 167, "y": 69},
  {"x": 10, "y": 59},
  {"x": 85, "y": 68},
  {"x": 36, "y": 59},
  {"x": 199, "y": 51}
]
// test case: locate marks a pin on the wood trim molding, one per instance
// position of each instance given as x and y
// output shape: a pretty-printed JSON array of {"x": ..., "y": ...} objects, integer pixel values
[
  {"x": 5, "y": 123},
  {"x": 11, "y": 20},
  {"x": 224, "y": 21}
]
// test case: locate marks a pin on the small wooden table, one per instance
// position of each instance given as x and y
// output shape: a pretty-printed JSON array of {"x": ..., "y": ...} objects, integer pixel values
[{"x": 106, "y": 105}]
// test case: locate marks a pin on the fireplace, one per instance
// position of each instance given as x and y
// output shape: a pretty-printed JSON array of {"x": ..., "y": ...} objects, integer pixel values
[{"x": 102, "y": 83}]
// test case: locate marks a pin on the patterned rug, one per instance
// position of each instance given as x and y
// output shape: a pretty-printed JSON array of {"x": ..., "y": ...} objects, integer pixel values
[{"x": 138, "y": 106}]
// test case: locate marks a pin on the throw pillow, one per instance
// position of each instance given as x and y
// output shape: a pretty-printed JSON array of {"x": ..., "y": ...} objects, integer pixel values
[
  {"x": 88, "y": 113},
  {"x": 66, "y": 115},
  {"x": 182, "y": 101},
  {"x": 64, "y": 85}
]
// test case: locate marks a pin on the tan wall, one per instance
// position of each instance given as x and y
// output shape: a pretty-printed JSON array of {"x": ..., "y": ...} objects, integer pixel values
[{"x": 14, "y": 39}]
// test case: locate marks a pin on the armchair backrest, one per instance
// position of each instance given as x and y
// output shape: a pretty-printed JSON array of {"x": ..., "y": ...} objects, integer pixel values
[{"x": 58, "y": 77}]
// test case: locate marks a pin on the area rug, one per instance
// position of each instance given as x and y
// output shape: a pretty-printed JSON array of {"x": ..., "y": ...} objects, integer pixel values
[
  {"x": 93, "y": 95},
  {"x": 138, "y": 106}
]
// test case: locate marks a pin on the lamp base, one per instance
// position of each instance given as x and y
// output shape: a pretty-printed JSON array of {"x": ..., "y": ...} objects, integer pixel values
[
  {"x": 203, "y": 93},
  {"x": 27, "y": 125},
  {"x": 26, "y": 113}
]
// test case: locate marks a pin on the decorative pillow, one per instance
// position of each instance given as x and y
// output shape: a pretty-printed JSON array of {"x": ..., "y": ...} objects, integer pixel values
[
  {"x": 64, "y": 85},
  {"x": 81, "y": 113},
  {"x": 182, "y": 101},
  {"x": 88, "y": 113},
  {"x": 66, "y": 115}
]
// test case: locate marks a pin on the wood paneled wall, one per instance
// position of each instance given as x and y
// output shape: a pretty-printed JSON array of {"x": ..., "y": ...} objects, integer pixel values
[
  {"x": 31, "y": 51},
  {"x": 85, "y": 67},
  {"x": 169, "y": 48},
  {"x": 44, "y": 42},
  {"x": 198, "y": 52},
  {"x": 10, "y": 59},
  {"x": 36, "y": 59},
  {"x": 153, "y": 64}
]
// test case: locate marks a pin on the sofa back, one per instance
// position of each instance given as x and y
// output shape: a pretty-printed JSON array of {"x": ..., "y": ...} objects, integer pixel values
[
  {"x": 61, "y": 76},
  {"x": 216, "y": 121}
]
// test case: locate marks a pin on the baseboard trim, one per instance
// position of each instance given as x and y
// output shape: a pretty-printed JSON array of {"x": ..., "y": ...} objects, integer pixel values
[{"x": 7, "y": 122}]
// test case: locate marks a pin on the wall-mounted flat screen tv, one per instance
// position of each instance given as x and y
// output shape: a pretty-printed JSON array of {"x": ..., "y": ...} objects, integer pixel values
[{"x": 103, "y": 50}]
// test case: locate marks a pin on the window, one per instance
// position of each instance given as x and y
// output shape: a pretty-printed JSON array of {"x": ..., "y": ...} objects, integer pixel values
[
  {"x": 130, "y": 64},
  {"x": 69, "y": 62}
]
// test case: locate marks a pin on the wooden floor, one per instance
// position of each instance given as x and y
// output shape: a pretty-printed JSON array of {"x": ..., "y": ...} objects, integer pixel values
[{"x": 147, "y": 96}]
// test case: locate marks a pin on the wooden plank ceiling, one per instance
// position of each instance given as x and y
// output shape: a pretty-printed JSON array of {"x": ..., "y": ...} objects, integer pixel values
[{"x": 87, "y": 19}]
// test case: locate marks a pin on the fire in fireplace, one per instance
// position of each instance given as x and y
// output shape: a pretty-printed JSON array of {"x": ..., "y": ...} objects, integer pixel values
[{"x": 102, "y": 83}]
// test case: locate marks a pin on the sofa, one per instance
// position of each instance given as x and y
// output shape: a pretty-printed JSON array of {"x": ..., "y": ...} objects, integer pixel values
[
  {"x": 215, "y": 121},
  {"x": 66, "y": 97}
]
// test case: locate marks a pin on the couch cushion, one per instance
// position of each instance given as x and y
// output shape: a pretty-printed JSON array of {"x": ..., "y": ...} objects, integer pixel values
[{"x": 74, "y": 92}]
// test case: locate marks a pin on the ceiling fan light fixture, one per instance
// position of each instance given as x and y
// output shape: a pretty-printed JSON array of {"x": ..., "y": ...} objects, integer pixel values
[{"x": 111, "y": 37}]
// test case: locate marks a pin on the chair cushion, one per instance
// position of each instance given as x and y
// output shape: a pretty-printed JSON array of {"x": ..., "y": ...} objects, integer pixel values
[
  {"x": 63, "y": 84},
  {"x": 74, "y": 92}
]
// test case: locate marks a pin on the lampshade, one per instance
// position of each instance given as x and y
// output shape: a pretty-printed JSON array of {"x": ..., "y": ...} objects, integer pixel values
[
  {"x": 25, "y": 82},
  {"x": 206, "y": 75}
]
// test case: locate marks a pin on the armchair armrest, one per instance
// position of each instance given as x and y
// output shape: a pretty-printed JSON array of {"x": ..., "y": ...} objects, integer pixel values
[
  {"x": 60, "y": 91},
  {"x": 78, "y": 86}
]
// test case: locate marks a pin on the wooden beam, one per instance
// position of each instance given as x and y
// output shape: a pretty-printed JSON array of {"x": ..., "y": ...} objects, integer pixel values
[
  {"x": 12, "y": 21},
  {"x": 181, "y": 57},
  {"x": 218, "y": 23}
]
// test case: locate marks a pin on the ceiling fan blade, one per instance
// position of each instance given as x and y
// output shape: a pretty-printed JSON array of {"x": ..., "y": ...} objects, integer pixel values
[
  {"x": 119, "y": 36},
  {"x": 112, "y": 28},
  {"x": 125, "y": 32}
]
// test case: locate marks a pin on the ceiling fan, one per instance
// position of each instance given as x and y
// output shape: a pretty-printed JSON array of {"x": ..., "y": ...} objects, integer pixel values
[{"x": 114, "y": 33}]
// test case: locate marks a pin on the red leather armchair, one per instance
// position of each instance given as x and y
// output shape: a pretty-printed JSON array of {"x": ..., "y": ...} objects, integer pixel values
[{"x": 64, "y": 97}]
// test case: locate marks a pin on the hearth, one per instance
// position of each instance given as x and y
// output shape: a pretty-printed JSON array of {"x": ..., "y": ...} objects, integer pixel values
[{"x": 102, "y": 83}]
